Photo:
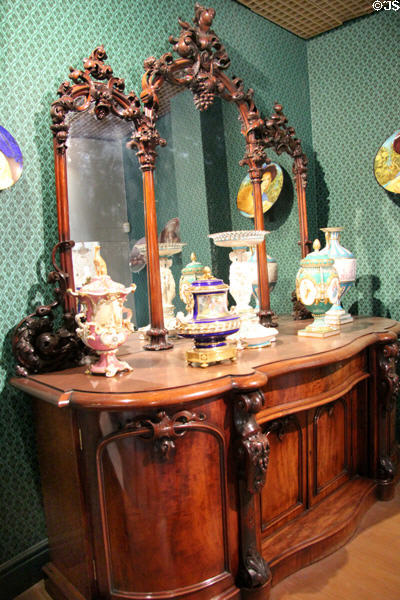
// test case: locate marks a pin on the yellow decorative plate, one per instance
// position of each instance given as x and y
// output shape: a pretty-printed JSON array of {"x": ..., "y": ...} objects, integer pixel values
[
  {"x": 387, "y": 164},
  {"x": 271, "y": 186}
]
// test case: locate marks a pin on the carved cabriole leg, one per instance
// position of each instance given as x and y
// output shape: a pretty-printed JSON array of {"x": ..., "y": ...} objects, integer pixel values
[
  {"x": 388, "y": 390},
  {"x": 253, "y": 453}
]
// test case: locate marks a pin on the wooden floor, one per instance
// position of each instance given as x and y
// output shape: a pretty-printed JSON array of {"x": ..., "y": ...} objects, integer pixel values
[{"x": 367, "y": 568}]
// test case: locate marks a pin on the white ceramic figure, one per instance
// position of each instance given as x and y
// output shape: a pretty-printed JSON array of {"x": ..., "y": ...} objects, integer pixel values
[
  {"x": 168, "y": 288},
  {"x": 243, "y": 279}
]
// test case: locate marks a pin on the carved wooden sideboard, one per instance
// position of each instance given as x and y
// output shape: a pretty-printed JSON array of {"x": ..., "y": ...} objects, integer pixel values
[{"x": 181, "y": 482}]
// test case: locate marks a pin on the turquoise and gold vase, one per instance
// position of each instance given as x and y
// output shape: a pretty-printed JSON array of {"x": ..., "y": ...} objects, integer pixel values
[
  {"x": 345, "y": 265},
  {"x": 317, "y": 287}
]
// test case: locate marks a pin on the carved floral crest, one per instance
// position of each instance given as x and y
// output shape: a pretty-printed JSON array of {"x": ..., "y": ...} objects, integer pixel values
[{"x": 95, "y": 84}]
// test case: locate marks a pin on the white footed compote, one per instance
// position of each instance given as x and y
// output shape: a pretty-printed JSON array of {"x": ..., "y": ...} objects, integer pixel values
[
  {"x": 168, "y": 288},
  {"x": 345, "y": 265},
  {"x": 251, "y": 334}
]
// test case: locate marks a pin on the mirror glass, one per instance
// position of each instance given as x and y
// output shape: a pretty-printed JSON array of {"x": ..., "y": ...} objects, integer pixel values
[
  {"x": 196, "y": 181},
  {"x": 104, "y": 190}
]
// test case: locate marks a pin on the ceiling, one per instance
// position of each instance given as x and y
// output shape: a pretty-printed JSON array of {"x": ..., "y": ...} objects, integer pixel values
[{"x": 307, "y": 18}]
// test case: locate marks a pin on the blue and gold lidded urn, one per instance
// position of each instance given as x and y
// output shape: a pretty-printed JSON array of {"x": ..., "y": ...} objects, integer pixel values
[
  {"x": 317, "y": 287},
  {"x": 211, "y": 322}
]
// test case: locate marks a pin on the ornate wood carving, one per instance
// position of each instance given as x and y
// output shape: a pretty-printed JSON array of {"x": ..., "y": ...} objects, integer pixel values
[
  {"x": 299, "y": 313},
  {"x": 97, "y": 84},
  {"x": 282, "y": 138},
  {"x": 253, "y": 455},
  {"x": 37, "y": 346},
  {"x": 253, "y": 447},
  {"x": 388, "y": 390},
  {"x": 279, "y": 426},
  {"x": 389, "y": 383},
  {"x": 163, "y": 429},
  {"x": 386, "y": 469}
]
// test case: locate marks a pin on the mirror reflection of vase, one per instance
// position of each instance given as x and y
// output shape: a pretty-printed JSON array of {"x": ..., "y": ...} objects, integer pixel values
[
  {"x": 83, "y": 262},
  {"x": 272, "y": 275}
]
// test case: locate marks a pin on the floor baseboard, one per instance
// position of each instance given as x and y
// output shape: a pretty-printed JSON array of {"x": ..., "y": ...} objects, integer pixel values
[{"x": 22, "y": 571}]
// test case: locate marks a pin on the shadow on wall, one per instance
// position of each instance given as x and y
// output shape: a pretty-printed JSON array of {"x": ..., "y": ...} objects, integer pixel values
[
  {"x": 278, "y": 214},
  {"x": 322, "y": 199},
  {"x": 44, "y": 145},
  {"x": 367, "y": 286}
]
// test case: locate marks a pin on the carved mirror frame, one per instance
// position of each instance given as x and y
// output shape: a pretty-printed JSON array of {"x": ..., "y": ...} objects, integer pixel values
[
  {"x": 202, "y": 60},
  {"x": 200, "y": 67},
  {"x": 36, "y": 345}
]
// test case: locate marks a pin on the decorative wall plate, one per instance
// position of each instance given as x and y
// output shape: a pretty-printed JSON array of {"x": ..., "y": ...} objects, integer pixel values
[
  {"x": 387, "y": 164},
  {"x": 10, "y": 160},
  {"x": 271, "y": 186}
]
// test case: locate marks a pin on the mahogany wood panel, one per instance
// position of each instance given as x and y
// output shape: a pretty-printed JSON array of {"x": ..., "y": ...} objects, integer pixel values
[
  {"x": 329, "y": 443},
  {"x": 284, "y": 495},
  {"x": 183, "y": 499},
  {"x": 162, "y": 503},
  {"x": 319, "y": 531},
  {"x": 324, "y": 380}
]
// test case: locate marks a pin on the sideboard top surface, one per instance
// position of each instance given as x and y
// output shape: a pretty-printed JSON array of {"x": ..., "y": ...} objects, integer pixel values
[{"x": 165, "y": 378}]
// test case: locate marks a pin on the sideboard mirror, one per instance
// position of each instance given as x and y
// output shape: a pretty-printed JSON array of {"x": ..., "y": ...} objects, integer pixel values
[{"x": 105, "y": 150}]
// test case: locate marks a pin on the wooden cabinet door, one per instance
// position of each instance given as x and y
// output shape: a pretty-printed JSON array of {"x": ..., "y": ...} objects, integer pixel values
[
  {"x": 161, "y": 507},
  {"x": 284, "y": 495},
  {"x": 329, "y": 442}
]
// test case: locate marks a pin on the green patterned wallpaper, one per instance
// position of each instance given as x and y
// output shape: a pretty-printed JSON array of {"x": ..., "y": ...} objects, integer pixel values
[
  {"x": 40, "y": 40},
  {"x": 355, "y": 107}
]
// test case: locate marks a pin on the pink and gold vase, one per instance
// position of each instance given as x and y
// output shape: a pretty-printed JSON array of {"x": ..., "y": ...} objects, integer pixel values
[{"x": 104, "y": 323}]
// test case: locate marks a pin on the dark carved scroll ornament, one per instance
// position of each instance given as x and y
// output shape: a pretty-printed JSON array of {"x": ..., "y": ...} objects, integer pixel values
[
  {"x": 253, "y": 448},
  {"x": 255, "y": 571},
  {"x": 389, "y": 383},
  {"x": 37, "y": 346},
  {"x": 386, "y": 469},
  {"x": 253, "y": 454},
  {"x": 279, "y": 426},
  {"x": 163, "y": 430},
  {"x": 95, "y": 84}
]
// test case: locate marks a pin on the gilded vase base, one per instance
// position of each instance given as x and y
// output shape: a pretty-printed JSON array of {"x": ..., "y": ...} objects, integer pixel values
[
  {"x": 323, "y": 332},
  {"x": 205, "y": 356}
]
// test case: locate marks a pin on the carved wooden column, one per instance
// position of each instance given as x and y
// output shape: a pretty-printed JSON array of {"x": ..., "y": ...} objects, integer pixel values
[
  {"x": 388, "y": 390},
  {"x": 145, "y": 140},
  {"x": 253, "y": 454}
]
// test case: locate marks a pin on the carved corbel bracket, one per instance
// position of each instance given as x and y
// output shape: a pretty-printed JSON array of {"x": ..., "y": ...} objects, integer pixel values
[
  {"x": 253, "y": 455},
  {"x": 163, "y": 429},
  {"x": 389, "y": 383},
  {"x": 36, "y": 345},
  {"x": 253, "y": 445}
]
